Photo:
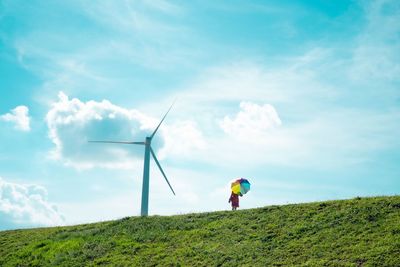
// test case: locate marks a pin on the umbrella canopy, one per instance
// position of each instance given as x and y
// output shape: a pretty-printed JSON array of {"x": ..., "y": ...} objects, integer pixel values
[{"x": 240, "y": 186}]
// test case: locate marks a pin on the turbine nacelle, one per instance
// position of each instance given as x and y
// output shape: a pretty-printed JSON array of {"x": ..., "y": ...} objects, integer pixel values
[{"x": 148, "y": 140}]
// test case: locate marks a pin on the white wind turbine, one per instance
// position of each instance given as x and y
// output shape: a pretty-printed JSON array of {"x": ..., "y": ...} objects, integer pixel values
[{"x": 146, "y": 169}]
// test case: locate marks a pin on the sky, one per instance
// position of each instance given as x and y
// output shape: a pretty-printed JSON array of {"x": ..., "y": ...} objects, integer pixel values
[{"x": 302, "y": 98}]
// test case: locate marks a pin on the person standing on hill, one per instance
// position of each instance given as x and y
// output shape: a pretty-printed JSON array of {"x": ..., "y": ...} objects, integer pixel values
[{"x": 234, "y": 200}]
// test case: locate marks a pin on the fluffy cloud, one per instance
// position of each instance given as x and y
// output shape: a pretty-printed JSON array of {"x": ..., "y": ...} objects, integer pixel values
[
  {"x": 72, "y": 123},
  {"x": 26, "y": 205},
  {"x": 19, "y": 116},
  {"x": 252, "y": 121},
  {"x": 181, "y": 139}
]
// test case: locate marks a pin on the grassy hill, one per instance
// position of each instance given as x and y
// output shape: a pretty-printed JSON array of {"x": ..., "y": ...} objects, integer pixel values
[{"x": 356, "y": 232}]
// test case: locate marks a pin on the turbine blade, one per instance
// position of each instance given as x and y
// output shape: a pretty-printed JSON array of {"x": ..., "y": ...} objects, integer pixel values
[
  {"x": 117, "y": 142},
  {"x": 162, "y": 120},
  {"x": 159, "y": 166}
]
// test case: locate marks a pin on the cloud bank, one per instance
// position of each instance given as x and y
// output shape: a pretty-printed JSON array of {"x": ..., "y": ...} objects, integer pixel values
[
  {"x": 20, "y": 117},
  {"x": 72, "y": 123},
  {"x": 26, "y": 205}
]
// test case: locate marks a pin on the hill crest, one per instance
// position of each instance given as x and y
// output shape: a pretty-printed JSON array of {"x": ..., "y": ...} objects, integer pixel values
[{"x": 355, "y": 232}]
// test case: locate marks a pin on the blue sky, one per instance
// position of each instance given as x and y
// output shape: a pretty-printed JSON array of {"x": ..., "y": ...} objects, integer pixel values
[{"x": 302, "y": 98}]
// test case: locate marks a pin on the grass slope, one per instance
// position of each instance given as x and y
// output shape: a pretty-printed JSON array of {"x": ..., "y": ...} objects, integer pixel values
[{"x": 357, "y": 232}]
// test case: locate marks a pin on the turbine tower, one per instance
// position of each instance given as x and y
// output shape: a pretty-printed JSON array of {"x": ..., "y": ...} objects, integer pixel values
[{"x": 146, "y": 168}]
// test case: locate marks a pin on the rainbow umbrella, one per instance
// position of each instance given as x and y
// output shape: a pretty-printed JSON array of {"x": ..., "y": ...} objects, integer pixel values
[{"x": 240, "y": 186}]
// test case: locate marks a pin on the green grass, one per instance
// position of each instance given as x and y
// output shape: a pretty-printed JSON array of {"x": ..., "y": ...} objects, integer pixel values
[{"x": 356, "y": 232}]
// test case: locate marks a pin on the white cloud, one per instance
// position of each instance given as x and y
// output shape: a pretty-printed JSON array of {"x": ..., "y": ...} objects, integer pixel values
[
  {"x": 72, "y": 123},
  {"x": 181, "y": 139},
  {"x": 26, "y": 205},
  {"x": 19, "y": 116},
  {"x": 252, "y": 121}
]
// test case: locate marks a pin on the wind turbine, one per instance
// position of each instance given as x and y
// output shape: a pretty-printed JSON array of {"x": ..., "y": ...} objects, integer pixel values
[{"x": 146, "y": 169}]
